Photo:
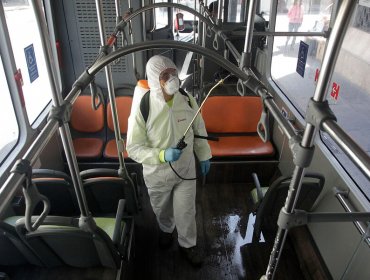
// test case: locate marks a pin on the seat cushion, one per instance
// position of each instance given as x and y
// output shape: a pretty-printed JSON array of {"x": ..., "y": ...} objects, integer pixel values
[
  {"x": 254, "y": 194},
  {"x": 110, "y": 150},
  {"x": 88, "y": 147},
  {"x": 241, "y": 114},
  {"x": 106, "y": 224},
  {"x": 12, "y": 220},
  {"x": 241, "y": 146},
  {"x": 123, "y": 104},
  {"x": 84, "y": 118}
]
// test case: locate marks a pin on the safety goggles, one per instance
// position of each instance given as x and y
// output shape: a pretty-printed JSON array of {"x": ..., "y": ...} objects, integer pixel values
[{"x": 166, "y": 74}]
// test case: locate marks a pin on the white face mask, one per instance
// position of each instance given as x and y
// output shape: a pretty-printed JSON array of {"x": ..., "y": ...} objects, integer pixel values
[{"x": 172, "y": 85}]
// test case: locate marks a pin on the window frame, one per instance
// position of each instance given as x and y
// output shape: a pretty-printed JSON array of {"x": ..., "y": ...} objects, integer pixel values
[
  {"x": 343, "y": 170},
  {"x": 27, "y": 131}
]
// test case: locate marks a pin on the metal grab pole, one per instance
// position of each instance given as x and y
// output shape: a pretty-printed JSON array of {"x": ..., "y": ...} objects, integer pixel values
[
  {"x": 57, "y": 101},
  {"x": 137, "y": 76},
  {"x": 220, "y": 10},
  {"x": 330, "y": 56},
  {"x": 250, "y": 26},
  {"x": 246, "y": 58},
  {"x": 112, "y": 100}
]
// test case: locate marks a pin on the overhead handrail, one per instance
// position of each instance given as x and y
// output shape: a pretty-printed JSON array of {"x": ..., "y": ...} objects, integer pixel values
[
  {"x": 97, "y": 98},
  {"x": 31, "y": 195},
  {"x": 263, "y": 126}
]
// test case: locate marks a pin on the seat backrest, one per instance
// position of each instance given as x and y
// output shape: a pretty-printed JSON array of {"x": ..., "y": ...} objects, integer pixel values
[
  {"x": 274, "y": 199},
  {"x": 58, "y": 188},
  {"x": 84, "y": 118},
  {"x": 59, "y": 241},
  {"x": 104, "y": 188},
  {"x": 13, "y": 251},
  {"x": 123, "y": 104},
  {"x": 241, "y": 113}
]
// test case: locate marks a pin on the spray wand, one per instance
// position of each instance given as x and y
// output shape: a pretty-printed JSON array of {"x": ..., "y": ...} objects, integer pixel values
[{"x": 181, "y": 144}]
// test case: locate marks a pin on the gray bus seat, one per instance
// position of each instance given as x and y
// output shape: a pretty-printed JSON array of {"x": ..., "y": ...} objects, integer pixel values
[
  {"x": 60, "y": 241},
  {"x": 269, "y": 200},
  {"x": 58, "y": 188},
  {"x": 13, "y": 251},
  {"x": 104, "y": 188}
]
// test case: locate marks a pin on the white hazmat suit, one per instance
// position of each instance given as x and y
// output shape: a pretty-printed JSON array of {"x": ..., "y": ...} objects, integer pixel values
[{"x": 172, "y": 199}]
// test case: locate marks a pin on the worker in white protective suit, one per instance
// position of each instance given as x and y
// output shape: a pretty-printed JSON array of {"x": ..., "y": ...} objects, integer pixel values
[{"x": 153, "y": 143}]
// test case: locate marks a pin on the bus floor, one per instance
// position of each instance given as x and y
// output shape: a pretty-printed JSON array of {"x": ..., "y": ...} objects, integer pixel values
[
  {"x": 224, "y": 234},
  {"x": 224, "y": 226}
]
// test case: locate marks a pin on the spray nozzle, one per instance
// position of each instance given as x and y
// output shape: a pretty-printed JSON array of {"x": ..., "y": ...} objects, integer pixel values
[{"x": 181, "y": 144}]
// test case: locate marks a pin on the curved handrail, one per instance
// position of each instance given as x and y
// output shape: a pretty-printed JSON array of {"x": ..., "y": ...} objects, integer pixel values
[{"x": 160, "y": 44}]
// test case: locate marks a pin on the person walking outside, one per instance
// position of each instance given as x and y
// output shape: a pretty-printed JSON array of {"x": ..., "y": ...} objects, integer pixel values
[{"x": 295, "y": 16}]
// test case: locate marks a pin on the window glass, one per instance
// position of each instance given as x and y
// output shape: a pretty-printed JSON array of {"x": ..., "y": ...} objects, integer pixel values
[
  {"x": 235, "y": 11},
  {"x": 349, "y": 93},
  {"x": 264, "y": 9},
  {"x": 8, "y": 126},
  {"x": 191, "y": 4},
  {"x": 296, "y": 77},
  {"x": 29, "y": 56},
  {"x": 185, "y": 31},
  {"x": 161, "y": 16}
]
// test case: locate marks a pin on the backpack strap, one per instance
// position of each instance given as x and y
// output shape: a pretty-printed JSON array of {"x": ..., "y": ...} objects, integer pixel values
[{"x": 145, "y": 103}]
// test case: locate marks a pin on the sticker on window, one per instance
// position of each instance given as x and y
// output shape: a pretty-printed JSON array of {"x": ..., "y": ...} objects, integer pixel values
[
  {"x": 302, "y": 58},
  {"x": 335, "y": 91},
  {"x": 33, "y": 72}
]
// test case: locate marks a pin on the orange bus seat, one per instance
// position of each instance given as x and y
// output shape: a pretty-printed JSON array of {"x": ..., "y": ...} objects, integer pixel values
[
  {"x": 234, "y": 120},
  {"x": 123, "y": 104},
  {"x": 86, "y": 123}
]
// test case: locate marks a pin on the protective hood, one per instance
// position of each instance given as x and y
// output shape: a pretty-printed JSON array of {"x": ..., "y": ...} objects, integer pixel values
[{"x": 154, "y": 67}]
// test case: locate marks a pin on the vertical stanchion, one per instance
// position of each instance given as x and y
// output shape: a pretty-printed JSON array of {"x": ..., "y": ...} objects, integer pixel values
[
  {"x": 57, "y": 101},
  {"x": 245, "y": 60},
  {"x": 112, "y": 100},
  {"x": 331, "y": 53}
]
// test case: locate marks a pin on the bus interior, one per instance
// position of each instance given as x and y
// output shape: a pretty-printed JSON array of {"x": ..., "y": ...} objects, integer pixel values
[{"x": 284, "y": 100}]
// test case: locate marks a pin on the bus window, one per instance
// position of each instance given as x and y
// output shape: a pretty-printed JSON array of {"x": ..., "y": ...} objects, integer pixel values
[
  {"x": 236, "y": 11},
  {"x": 188, "y": 17},
  {"x": 299, "y": 84},
  {"x": 29, "y": 56},
  {"x": 264, "y": 9},
  {"x": 348, "y": 93},
  {"x": 8, "y": 126},
  {"x": 161, "y": 16}
]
